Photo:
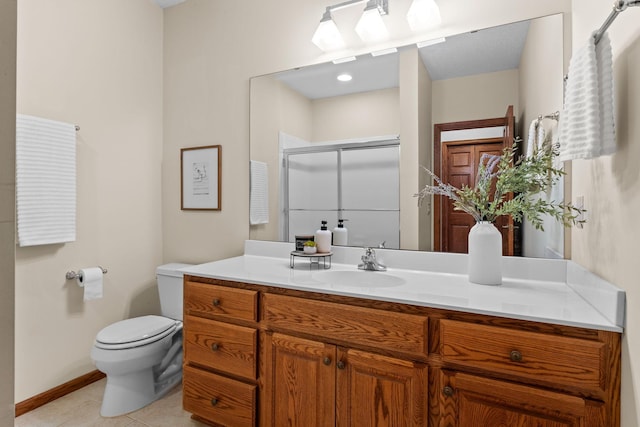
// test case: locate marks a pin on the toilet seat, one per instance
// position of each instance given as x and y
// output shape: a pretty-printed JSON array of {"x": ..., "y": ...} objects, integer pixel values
[{"x": 135, "y": 332}]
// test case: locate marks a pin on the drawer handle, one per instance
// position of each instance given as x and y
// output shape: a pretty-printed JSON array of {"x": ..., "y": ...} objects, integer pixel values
[
  {"x": 214, "y": 401},
  {"x": 215, "y": 346},
  {"x": 447, "y": 391},
  {"x": 340, "y": 364},
  {"x": 515, "y": 356},
  {"x": 216, "y": 302},
  {"x": 326, "y": 361}
]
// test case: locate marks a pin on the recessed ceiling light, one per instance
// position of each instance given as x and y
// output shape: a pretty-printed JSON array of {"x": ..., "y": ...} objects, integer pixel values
[{"x": 344, "y": 77}]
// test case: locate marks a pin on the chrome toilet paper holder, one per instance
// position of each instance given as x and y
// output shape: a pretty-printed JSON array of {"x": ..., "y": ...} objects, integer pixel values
[{"x": 73, "y": 275}]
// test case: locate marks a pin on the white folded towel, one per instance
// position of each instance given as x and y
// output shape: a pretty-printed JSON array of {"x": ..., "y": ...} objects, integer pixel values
[
  {"x": 45, "y": 181},
  {"x": 259, "y": 193},
  {"x": 587, "y": 127}
]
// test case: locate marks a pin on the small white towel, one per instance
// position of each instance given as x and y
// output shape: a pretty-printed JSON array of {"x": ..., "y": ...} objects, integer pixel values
[
  {"x": 536, "y": 137},
  {"x": 259, "y": 194},
  {"x": 587, "y": 127},
  {"x": 45, "y": 181}
]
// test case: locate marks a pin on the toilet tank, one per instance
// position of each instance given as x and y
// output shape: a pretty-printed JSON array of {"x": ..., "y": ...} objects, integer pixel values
[{"x": 169, "y": 278}]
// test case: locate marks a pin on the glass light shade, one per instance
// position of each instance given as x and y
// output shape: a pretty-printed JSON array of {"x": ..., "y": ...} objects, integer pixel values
[
  {"x": 370, "y": 27},
  {"x": 327, "y": 37},
  {"x": 423, "y": 14}
]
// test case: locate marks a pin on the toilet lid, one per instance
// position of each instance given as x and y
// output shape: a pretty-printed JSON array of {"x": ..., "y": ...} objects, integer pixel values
[{"x": 136, "y": 329}]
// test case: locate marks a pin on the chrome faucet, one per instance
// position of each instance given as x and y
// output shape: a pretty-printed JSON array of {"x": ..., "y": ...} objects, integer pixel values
[{"x": 369, "y": 261}]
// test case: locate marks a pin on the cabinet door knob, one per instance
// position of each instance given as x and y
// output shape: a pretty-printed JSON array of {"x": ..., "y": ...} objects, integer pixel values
[
  {"x": 326, "y": 361},
  {"x": 340, "y": 364},
  {"x": 515, "y": 356},
  {"x": 447, "y": 391},
  {"x": 215, "y": 346},
  {"x": 216, "y": 302},
  {"x": 214, "y": 401}
]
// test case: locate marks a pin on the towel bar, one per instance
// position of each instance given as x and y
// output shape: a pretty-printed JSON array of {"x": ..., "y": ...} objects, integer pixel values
[{"x": 73, "y": 275}]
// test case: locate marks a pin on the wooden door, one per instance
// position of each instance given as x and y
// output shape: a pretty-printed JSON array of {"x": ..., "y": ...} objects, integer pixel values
[
  {"x": 380, "y": 391},
  {"x": 461, "y": 160},
  {"x": 456, "y": 162},
  {"x": 302, "y": 389},
  {"x": 468, "y": 400}
]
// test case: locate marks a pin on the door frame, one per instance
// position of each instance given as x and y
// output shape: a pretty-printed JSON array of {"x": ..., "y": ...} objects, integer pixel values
[{"x": 508, "y": 121}]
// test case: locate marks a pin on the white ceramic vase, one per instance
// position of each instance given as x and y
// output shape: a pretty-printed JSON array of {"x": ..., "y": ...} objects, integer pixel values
[{"x": 485, "y": 254}]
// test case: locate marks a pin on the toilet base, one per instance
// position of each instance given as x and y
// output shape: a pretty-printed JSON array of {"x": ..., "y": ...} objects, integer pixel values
[{"x": 128, "y": 393}]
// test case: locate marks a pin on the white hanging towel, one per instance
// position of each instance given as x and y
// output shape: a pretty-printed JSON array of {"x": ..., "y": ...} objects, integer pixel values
[
  {"x": 587, "y": 127},
  {"x": 45, "y": 181},
  {"x": 259, "y": 194},
  {"x": 535, "y": 140}
]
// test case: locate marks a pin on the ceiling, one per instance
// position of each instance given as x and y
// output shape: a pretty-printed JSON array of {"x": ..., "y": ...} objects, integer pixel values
[{"x": 477, "y": 52}]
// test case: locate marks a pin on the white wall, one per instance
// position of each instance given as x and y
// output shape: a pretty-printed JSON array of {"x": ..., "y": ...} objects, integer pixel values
[
  {"x": 97, "y": 64},
  {"x": 7, "y": 205},
  {"x": 608, "y": 244}
]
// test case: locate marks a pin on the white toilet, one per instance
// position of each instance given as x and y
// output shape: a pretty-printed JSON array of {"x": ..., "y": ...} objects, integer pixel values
[{"x": 142, "y": 357}]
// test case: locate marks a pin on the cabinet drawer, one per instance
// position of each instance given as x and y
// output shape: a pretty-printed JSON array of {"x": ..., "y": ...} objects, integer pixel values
[
  {"x": 220, "y": 300},
  {"x": 221, "y": 346},
  {"x": 216, "y": 398},
  {"x": 381, "y": 329},
  {"x": 561, "y": 360}
]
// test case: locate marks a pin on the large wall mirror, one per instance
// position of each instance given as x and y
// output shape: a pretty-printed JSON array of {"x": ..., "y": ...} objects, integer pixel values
[{"x": 334, "y": 149}]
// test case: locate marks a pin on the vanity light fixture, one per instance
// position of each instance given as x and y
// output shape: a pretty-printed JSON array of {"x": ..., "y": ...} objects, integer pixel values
[
  {"x": 344, "y": 77},
  {"x": 327, "y": 37},
  {"x": 430, "y": 42},
  {"x": 384, "y": 51},
  {"x": 423, "y": 14},
  {"x": 370, "y": 27},
  {"x": 343, "y": 60}
]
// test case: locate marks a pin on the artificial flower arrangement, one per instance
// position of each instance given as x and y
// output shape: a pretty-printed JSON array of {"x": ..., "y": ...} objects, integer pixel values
[
  {"x": 309, "y": 247},
  {"x": 514, "y": 186}
]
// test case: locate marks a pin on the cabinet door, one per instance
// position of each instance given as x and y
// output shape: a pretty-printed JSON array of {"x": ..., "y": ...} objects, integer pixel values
[
  {"x": 468, "y": 400},
  {"x": 377, "y": 391},
  {"x": 302, "y": 389}
]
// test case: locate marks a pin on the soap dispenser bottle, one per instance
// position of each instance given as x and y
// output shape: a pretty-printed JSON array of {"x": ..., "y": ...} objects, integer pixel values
[
  {"x": 323, "y": 238},
  {"x": 340, "y": 234}
]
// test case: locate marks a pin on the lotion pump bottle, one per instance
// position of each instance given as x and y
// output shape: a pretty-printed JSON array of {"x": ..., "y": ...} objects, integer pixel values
[
  {"x": 323, "y": 238},
  {"x": 340, "y": 234}
]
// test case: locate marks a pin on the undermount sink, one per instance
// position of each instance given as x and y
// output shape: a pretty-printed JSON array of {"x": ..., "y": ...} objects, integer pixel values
[{"x": 360, "y": 279}]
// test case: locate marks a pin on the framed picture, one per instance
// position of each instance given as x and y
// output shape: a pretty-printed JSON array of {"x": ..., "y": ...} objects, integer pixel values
[{"x": 200, "y": 178}]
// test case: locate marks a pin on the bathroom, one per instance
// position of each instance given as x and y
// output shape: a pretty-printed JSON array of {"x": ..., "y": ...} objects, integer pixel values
[{"x": 143, "y": 82}]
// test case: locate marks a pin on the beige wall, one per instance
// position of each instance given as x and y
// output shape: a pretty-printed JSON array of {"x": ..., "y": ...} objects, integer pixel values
[
  {"x": 359, "y": 115},
  {"x": 608, "y": 244},
  {"x": 482, "y": 96},
  {"x": 99, "y": 65},
  {"x": 206, "y": 92},
  {"x": 541, "y": 66},
  {"x": 414, "y": 148},
  {"x": 7, "y": 205},
  {"x": 275, "y": 108}
]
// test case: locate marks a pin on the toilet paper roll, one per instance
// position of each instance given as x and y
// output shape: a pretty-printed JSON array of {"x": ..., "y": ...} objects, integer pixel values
[{"x": 91, "y": 280}]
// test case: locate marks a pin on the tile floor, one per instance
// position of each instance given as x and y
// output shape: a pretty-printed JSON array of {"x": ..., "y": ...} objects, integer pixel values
[{"x": 82, "y": 409}]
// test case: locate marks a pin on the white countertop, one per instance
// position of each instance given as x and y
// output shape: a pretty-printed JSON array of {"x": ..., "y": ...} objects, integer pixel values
[{"x": 565, "y": 294}]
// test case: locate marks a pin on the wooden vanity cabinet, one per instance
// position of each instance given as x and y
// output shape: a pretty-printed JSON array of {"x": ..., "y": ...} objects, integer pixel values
[
  {"x": 270, "y": 357},
  {"x": 220, "y": 354},
  {"x": 326, "y": 380}
]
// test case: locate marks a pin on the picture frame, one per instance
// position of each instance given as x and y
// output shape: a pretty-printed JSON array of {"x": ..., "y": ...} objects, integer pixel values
[{"x": 200, "y": 171}]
